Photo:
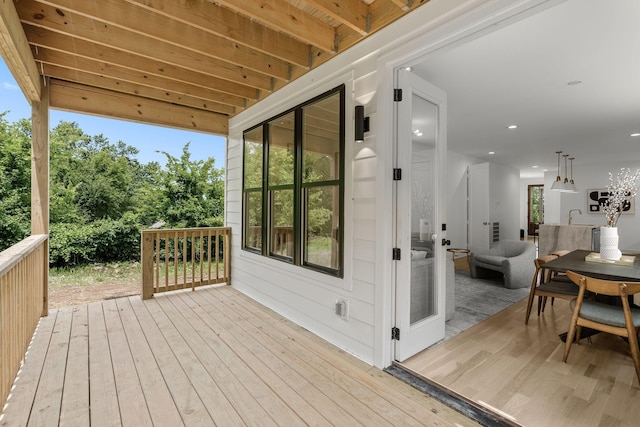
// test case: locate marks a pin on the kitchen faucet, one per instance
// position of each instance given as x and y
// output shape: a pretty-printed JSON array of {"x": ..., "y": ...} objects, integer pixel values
[{"x": 571, "y": 214}]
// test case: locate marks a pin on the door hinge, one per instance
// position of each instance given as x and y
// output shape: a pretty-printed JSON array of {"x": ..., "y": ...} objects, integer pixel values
[
  {"x": 395, "y": 333},
  {"x": 397, "y": 95},
  {"x": 397, "y": 174},
  {"x": 396, "y": 254}
]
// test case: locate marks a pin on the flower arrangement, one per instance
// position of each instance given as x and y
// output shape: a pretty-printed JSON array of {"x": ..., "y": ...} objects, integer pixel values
[{"x": 621, "y": 192}]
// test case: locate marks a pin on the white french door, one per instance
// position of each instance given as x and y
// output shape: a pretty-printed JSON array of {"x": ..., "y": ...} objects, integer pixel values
[{"x": 419, "y": 215}]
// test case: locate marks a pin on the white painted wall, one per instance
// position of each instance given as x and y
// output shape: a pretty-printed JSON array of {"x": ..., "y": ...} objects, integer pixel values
[
  {"x": 504, "y": 199},
  {"x": 307, "y": 297},
  {"x": 587, "y": 176}
]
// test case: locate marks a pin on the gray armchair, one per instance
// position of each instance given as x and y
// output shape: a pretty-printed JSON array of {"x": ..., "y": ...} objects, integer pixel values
[{"x": 513, "y": 258}]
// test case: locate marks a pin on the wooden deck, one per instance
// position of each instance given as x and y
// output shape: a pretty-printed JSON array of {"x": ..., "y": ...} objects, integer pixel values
[
  {"x": 204, "y": 358},
  {"x": 518, "y": 370}
]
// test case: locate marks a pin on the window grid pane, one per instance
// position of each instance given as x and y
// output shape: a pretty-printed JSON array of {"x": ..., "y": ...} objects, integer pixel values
[
  {"x": 322, "y": 219},
  {"x": 282, "y": 222}
]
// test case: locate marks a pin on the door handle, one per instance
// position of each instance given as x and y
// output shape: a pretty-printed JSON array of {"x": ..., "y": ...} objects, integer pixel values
[{"x": 446, "y": 242}]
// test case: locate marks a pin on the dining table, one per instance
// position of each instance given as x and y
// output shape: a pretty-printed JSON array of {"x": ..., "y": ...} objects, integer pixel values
[{"x": 576, "y": 261}]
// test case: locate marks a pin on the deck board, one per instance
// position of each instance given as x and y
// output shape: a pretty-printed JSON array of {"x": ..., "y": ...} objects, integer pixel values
[
  {"x": 75, "y": 397},
  {"x": 204, "y": 358},
  {"x": 186, "y": 398},
  {"x": 47, "y": 403},
  {"x": 103, "y": 397},
  {"x": 161, "y": 406}
]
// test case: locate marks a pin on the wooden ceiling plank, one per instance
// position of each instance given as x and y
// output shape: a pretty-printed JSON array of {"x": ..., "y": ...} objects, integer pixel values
[
  {"x": 164, "y": 95},
  {"x": 404, "y": 5},
  {"x": 46, "y": 17},
  {"x": 352, "y": 13},
  {"x": 77, "y": 98},
  {"x": 17, "y": 54},
  {"x": 53, "y": 57},
  {"x": 232, "y": 26},
  {"x": 382, "y": 13},
  {"x": 282, "y": 16},
  {"x": 44, "y": 38},
  {"x": 148, "y": 23}
]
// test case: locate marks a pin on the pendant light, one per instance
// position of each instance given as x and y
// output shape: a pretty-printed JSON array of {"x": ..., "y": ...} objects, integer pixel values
[
  {"x": 557, "y": 184},
  {"x": 572, "y": 184}
]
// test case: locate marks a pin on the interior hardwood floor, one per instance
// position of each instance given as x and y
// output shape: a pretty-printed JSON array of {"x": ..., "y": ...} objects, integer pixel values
[
  {"x": 204, "y": 358},
  {"x": 517, "y": 369}
]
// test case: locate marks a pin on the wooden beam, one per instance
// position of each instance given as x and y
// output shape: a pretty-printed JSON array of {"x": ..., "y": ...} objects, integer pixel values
[
  {"x": 43, "y": 38},
  {"x": 232, "y": 26},
  {"x": 40, "y": 180},
  {"x": 146, "y": 23},
  {"x": 127, "y": 41},
  {"x": 352, "y": 13},
  {"x": 283, "y": 16},
  {"x": 40, "y": 163},
  {"x": 61, "y": 59},
  {"x": 163, "y": 95},
  {"x": 403, "y": 4},
  {"x": 82, "y": 99},
  {"x": 14, "y": 48},
  {"x": 382, "y": 13}
]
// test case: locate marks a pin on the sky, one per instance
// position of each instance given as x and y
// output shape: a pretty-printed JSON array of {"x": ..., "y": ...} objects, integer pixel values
[{"x": 147, "y": 139}]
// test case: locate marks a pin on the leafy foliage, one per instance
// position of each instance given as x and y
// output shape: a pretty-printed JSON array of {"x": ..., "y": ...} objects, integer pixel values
[{"x": 101, "y": 196}]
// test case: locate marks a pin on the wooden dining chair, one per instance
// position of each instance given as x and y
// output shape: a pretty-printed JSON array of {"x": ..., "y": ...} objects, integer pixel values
[
  {"x": 544, "y": 285},
  {"x": 623, "y": 321}
]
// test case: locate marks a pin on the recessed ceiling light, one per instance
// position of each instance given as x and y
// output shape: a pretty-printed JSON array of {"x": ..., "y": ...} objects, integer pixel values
[
  {"x": 408, "y": 68},
  {"x": 492, "y": 152},
  {"x": 535, "y": 166},
  {"x": 635, "y": 134},
  {"x": 574, "y": 82},
  {"x": 512, "y": 127}
]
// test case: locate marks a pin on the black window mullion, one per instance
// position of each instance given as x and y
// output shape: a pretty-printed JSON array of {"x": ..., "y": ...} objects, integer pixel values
[
  {"x": 266, "y": 200},
  {"x": 341, "y": 183},
  {"x": 297, "y": 189}
]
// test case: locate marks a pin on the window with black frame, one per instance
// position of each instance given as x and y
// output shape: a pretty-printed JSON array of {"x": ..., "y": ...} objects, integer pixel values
[{"x": 293, "y": 185}]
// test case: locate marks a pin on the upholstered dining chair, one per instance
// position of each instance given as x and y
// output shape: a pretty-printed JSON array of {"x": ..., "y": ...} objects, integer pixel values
[
  {"x": 544, "y": 285},
  {"x": 623, "y": 321}
]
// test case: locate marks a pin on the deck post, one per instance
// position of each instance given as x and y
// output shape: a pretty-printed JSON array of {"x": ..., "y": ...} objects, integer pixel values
[
  {"x": 40, "y": 180},
  {"x": 146, "y": 257}
]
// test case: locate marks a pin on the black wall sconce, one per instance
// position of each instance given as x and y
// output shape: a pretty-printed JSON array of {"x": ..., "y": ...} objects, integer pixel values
[{"x": 361, "y": 125}]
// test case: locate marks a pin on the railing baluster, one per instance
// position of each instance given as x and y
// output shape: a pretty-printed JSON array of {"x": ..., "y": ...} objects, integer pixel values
[
  {"x": 175, "y": 258},
  {"x": 22, "y": 295},
  {"x": 209, "y": 253}
]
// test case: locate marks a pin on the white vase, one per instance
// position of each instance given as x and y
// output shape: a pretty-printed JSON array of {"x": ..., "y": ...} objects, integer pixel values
[
  {"x": 609, "y": 243},
  {"x": 424, "y": 230}
]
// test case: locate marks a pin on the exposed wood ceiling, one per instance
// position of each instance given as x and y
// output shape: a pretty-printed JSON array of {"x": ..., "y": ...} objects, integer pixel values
[{"x": 184, "y": 63}]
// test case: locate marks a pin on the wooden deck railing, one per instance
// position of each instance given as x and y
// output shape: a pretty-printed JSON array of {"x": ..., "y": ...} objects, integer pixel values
[
  {"x": 184, "y": 258},
  {"x": 23, "y": 300}
]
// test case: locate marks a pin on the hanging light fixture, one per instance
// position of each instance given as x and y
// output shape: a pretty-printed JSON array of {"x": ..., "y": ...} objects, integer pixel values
[
  {"x": 557, "y": 184},
  {"x": 572, "y": 184},
  {"x": 565, "y": 183}
]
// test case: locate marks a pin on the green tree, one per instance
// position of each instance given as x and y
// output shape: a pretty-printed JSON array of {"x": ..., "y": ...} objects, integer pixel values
[
  {"x": 15, "y": 181},
  {"x": 193, "y": 192}
]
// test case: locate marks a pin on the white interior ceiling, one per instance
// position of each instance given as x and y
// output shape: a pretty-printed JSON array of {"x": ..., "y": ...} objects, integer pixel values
[{"x": 520, "y": 74}]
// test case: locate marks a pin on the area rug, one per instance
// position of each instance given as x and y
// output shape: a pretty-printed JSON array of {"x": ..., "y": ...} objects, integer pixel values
[{"x": 478, "y": 299}]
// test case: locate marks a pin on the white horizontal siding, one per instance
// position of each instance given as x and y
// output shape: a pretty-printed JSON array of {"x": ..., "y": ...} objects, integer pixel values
[{"x": 306, "y": 297}]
